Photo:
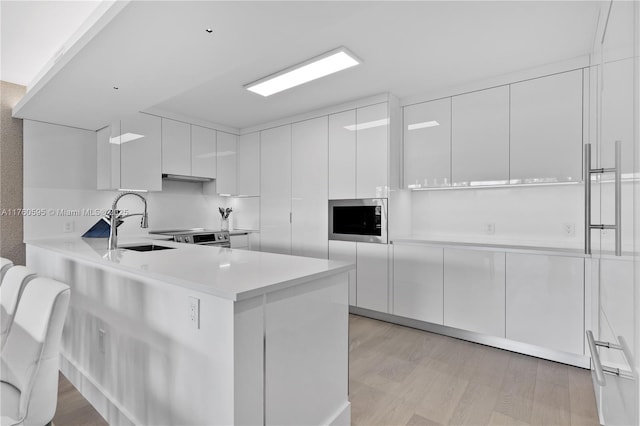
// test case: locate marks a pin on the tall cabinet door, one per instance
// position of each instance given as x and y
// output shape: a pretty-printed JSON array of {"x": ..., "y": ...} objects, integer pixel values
[
  {"x": 141, "y": 158},
  {"x": 275, "y": 191},
  {"x": 427, "y": 144},
  {"x": 480, "y": 137},
  {"x": 546, "y": 129},
  {"x": 249, "y": 164},
  {"x": 309, "y": 188},
  {"x": 617, "y": 316},
  {"x": 227, "y": 149},
  {"x": 372, "y": 151},
  {"x": 342, "y": 155}
]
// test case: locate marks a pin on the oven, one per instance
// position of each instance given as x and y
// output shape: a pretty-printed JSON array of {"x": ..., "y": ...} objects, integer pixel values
[
  {"x": 362, "y": 220},
  {"x": 198, "y": 236}
]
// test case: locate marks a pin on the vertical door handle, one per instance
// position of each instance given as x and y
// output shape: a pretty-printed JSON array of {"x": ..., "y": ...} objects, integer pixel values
[
  {"x": 587, "y": 198},
  {"x": 618, "y": 198}
]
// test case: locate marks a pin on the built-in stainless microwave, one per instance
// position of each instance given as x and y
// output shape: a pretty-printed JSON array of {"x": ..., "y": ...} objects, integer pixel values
[{"x": 362, "y": 220}]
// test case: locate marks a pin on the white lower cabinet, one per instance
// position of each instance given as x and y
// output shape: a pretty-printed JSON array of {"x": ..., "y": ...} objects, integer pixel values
[
  {"x": 474, "y": 290},
  {"x": 239, "y": 241},
  {"x": 545, "y": 301},
  {"x": 345, "y": 251},
  {"x": 418, "y": 282},
  {"x": 373, "y": 276}
]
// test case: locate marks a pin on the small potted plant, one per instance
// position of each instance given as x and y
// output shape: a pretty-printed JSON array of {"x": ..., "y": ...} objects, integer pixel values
[{"x": 224, "y": 217}]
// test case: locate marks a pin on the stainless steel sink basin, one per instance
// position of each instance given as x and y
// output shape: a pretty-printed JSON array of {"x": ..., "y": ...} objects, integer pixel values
[{"x": 147, "y": 247}]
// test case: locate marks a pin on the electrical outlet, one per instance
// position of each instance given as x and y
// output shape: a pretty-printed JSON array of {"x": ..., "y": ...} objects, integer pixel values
[
  {"x": 102, "y": 347},
  {"x": 569, "y": 229},
  {"x": 490, "y": 228},
  {"x": 194, "y": 311},
  {"x": 68, "y": 226}
]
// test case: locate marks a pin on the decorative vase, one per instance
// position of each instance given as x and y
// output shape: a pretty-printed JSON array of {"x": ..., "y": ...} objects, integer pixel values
[{"x": 224, "y": 224}]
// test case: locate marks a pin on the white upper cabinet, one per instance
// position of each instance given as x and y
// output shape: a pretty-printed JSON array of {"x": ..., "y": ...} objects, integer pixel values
[
  {"x": 108, "y": 157},
  {"x": 130, "y": 154},
  {"x": 249, "y": 164},
  {"x": 176, "y": 147},
  {"x": 418, "y": 282},
  {"x": 227, "y": 148},
  {"x": 342, "y": 155},
  {"x": 427, "y": 144},
  {"x": 309, "y": 188},
  {"x": 480, "y": 137},
  {"x": 275, "y": 190},
  {"x": 203, "y": 152},
  {"x": 474, "y": 291},
  {"x": 546, "y": 129},
  {"x": 141, "y": 158},
  {"x": 372, "y": 151}
]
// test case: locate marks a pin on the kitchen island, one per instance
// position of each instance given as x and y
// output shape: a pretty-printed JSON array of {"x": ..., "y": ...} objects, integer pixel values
[{"x": 199, "y": 335}]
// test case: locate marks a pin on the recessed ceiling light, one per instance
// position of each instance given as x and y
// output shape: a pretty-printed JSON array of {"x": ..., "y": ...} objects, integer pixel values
[
  {"x": 209, "y": 30},
  {"x": 312, "y": 69},
  {"x": 368, "y": 124},
  {"x": 422, "y": 125}
]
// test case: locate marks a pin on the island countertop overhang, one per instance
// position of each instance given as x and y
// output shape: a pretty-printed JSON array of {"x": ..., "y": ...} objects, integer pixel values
[{"x": 231, "y": 274}]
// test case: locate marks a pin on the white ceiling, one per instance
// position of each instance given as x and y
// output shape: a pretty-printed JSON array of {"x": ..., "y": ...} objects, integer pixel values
[
  {"x": 159, "y": 55},
  {"x": 34, "y": 31}
]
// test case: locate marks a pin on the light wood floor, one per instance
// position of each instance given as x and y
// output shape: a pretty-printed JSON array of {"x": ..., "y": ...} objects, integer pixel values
[
  {"x": 73, "y": 409},
  {"x": 402, "y": 376}
]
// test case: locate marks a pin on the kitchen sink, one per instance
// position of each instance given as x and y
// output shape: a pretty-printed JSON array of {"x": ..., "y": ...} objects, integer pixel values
[{"x": 147, "y": 247}]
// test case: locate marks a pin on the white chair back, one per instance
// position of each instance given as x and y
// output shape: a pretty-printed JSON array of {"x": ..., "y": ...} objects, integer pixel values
[
  {"x": 10, "y": 292},
  {"x": 5, "y": 264},
  {"x": 30, "y": 357}
]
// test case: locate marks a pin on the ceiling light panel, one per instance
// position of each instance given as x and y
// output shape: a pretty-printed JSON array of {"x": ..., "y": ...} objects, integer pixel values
[{"x": 318, "y": 67}]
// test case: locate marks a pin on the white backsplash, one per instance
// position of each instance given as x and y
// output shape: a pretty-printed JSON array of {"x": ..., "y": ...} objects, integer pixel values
[
  {"x": 526, "y": 215},
  {"x": 246, "y": 213}
]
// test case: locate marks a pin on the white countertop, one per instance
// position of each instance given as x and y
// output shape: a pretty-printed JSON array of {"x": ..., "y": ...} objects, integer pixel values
[
  {"x": 565, "y": 251},
  {"x": 229, "y": 273},
  {"x": 512, "y": 248}
]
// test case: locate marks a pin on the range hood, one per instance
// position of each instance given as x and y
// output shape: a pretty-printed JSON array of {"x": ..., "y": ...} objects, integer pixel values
[{"x": 184, "y": 178}]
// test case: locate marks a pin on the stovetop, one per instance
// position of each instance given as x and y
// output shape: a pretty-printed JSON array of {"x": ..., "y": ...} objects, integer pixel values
[
  {"x": 186, "y": 231},
  {"x": 196, "y": 236}
]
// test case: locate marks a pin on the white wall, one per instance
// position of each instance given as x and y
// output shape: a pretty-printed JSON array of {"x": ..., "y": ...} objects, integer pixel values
[
  {"x": 246, "y": 213},
  {"x": 60, "y": 173}
]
